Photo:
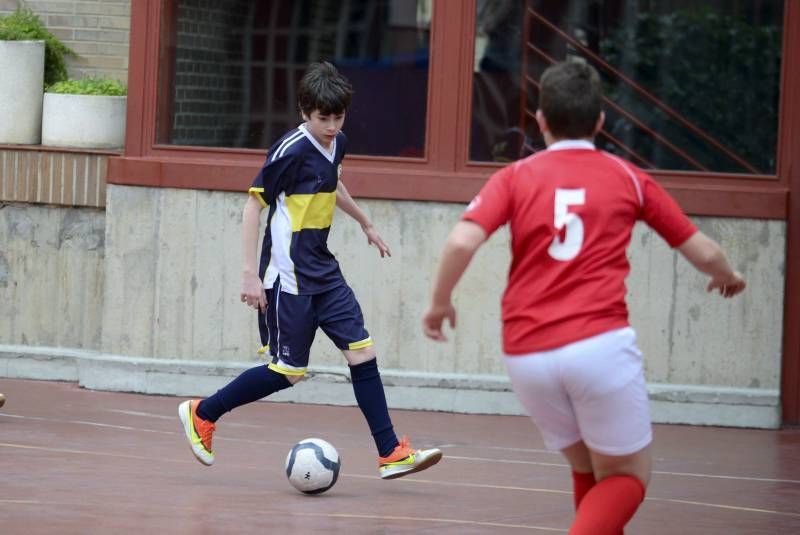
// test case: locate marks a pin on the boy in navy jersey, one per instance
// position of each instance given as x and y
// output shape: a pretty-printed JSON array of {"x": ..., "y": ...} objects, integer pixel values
[
  {"x": 570, "y": 352},
  {"x": 298, "y": 286}
]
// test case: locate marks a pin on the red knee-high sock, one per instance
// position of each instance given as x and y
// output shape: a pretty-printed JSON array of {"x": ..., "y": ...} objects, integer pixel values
[
  {"x": 581, "y": 484},
  {"x": 608, "y": 506}
]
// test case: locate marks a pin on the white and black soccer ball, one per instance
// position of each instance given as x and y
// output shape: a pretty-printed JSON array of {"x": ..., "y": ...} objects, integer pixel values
[{"x": 312, "y": 466}]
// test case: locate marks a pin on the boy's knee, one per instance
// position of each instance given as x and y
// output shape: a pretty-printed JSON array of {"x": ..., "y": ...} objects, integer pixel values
[
  {"x": 294, "y": 379},
  {"x": 355, "y": 357}
]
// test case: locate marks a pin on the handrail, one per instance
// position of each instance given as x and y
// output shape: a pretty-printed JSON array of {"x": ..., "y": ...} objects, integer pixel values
[
  {"x": 643, "y": 92},
  {"x": 630, "y": 117},
  {"x": 617, "y": 142}
]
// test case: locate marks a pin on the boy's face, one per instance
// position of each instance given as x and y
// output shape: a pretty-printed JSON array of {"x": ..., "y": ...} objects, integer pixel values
[{"x": 324, "y": 127}]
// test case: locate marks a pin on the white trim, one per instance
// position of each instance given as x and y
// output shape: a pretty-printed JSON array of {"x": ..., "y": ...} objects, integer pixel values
[
  {"x": 289, "y": 144},
  {"x": 280, "y": 260},
  {"x": 631, "y": 174},
  {"x": 292, "y": 138},
  {"x": 278, "y": 320},
  {"x": 566, "y": 144},
  {"x": 330, "y": 156}
]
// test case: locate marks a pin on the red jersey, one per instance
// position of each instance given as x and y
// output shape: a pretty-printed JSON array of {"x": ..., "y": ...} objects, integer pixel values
[{"x": 572, "y": 210}]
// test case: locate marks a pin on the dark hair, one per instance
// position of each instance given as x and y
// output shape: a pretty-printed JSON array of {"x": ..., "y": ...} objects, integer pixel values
[
  {"x": 323, "y": 88},
  {"x": 571, "y": 99}
]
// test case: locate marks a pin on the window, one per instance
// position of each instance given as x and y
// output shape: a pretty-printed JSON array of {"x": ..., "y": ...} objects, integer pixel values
[
  {"x": 230, "y": 70},
  {"x": 690, "y": 86}
]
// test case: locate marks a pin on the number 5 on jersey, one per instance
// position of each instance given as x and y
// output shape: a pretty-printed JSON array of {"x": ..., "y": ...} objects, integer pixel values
[{"x": 568, "y": 224}]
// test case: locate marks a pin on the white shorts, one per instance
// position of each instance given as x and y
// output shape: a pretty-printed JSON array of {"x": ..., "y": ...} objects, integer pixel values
[{"x": 591, "y": 390}]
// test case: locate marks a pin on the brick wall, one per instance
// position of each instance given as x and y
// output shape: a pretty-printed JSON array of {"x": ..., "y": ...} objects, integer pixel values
[
  {"x": 70, "y": 178},
  {"x": 97, "y": 30},
  {"x": 209, "y": 73}
]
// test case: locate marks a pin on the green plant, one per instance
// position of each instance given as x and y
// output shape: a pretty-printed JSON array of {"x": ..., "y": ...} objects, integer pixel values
[
  {"x": 721, "y": 72},
  {"x": 90, "y": 86},
  {"x": 25, "y": 25}
]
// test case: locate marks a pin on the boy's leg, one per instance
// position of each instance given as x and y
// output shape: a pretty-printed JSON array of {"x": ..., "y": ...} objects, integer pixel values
[
  {"x": 609, "y": 397},
  {"x": 252, "y": 385},
  {"x": 371, "y": 398},
  {"x": 289, "y": 318},
  {"x": 580, "y": 461},
  {"x": 620, "y": 489},
  {"x": 341, "y": 319}
]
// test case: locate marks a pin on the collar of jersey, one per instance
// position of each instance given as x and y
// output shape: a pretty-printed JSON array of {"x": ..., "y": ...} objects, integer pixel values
[
  {"x": 566, "y": 144},
  {"x": 329, "y": 155}
]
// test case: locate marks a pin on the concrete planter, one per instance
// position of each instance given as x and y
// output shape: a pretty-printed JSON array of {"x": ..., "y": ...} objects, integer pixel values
[
  {"x": 21, "y": 88},
  {"x": 83, "y": 121}
]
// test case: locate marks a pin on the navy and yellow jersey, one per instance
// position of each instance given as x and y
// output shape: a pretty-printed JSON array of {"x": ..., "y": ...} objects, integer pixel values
[{"x": 298, "y": 185}]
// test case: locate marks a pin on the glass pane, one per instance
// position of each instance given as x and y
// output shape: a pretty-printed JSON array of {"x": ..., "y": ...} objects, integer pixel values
[
  {"x": 230, "y": 70},
  {"x": 689, "y": 85}
]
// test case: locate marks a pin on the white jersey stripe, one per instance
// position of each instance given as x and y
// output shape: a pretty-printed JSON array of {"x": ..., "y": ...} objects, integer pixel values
[
  {"x": 280, "y": 261},
  {"x": 631, "y": 174},
  {"x": 286, "y": 147},
  {"x": 294, "y": 136}
]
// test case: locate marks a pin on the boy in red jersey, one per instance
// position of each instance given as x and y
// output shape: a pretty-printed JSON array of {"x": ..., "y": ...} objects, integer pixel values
[{"x": 570, "y": 351}]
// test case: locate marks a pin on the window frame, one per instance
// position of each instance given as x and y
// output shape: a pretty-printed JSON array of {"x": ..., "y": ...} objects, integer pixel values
[{"x": 445, "y": 174}]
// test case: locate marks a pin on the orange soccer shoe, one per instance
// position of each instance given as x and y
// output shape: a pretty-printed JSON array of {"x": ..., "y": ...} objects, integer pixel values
[
  {"x": 404, "y": 460},
  {"x": 198, "y": 431}
]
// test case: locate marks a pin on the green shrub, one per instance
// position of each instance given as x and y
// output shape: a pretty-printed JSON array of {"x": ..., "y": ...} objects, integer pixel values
[
  {"x": 25, "y": 25},
  {"x": 90, "y": 86},
  {"x": 720, "y": 72}
]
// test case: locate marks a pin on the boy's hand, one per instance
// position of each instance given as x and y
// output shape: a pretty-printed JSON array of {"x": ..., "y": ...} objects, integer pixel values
[
  {"x": 728, "y": 286},
  {"x": 433, "y": 319},
  {"x": 373, "y": 238},
  {"x": 253, "y": 294}
]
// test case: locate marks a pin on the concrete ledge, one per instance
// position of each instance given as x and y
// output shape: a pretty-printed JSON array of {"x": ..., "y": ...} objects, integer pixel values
[{"x": 474, "y": 394}]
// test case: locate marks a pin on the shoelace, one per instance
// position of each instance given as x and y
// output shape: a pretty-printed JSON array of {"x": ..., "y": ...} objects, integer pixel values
[
  {"x": 405, "y": 445},
  {"x": 206, "y": 430}
]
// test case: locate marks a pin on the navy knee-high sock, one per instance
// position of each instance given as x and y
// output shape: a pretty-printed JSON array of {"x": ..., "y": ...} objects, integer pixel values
[
  {"x": 251, "y": 385},
  {"x": 371, "y": 400}
]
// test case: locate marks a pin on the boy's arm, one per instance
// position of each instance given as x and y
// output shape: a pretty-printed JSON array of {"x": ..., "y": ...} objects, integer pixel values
[
  {"x": 252, "y": 286},
  {"x": 707, "y": 256},
  {"x": 349, "y": 206},
  {"x": 464, "y": 240}
]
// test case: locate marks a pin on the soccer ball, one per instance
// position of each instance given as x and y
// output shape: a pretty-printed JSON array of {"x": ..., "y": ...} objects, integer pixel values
[{"x": 312, "y": 466}]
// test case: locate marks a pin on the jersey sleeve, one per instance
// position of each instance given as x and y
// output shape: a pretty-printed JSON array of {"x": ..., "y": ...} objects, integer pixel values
[
  {"x": 275, "y": 176},
  {"x": 662, "y": 213},
  {"x": 491, "y": 208}
]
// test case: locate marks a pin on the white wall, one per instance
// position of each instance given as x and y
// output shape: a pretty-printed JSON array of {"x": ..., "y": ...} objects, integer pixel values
[{"x": 172, "y": 321}]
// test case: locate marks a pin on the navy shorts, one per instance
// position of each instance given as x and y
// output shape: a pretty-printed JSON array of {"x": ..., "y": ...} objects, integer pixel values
[{"x": 288, "y": 328}]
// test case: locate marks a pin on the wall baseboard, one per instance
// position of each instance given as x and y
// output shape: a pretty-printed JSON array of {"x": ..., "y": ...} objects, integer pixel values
[{"x": 472, "y": 394}]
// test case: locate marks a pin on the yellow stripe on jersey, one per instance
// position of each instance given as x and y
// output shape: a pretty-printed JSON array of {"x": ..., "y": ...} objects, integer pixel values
[
  {"x": 314, "y": 210},
  {"x": 263, "y": 350},
  {"x": 256, "y": 192},
  {"x": 360, "y": 345}
]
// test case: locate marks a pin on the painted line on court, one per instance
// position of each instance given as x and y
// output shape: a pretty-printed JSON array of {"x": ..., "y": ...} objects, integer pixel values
[
  {"x": 553, "y": 491},
  {"x": 416, "y": 481},
  {"x": 451, "y": 457},
  {"x": 723, "y": 506},
  {"x": 468, "y": 485},
  {"x": 358, "y": 516},
  {"x": 425, "y": 519},
  {"x": 658, "y": 472},
  {"x": 164, "y": 417},
  {"x": 145, "y": 430},
  {"x": 85, "y": 452}
]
